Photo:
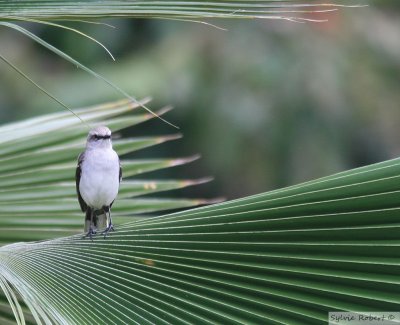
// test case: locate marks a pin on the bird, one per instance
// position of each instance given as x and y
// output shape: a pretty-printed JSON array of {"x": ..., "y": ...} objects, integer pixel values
[{"x": 98, "y": 176}]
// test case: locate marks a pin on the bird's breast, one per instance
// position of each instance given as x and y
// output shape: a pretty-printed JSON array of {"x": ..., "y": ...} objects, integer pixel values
[{"x": 99, "y": 182}]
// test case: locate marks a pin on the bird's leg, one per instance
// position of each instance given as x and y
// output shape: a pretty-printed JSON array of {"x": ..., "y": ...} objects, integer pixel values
[
  {"x": 92, "y": 229},
  {"x": 110, "y": 226}
]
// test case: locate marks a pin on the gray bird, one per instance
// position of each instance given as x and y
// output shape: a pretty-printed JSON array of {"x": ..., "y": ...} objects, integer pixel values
[{"x": 97, "y": 177}]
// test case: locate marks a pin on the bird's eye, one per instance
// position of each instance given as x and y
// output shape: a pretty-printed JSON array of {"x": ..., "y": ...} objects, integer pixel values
[{"x": 96, "y": 137}]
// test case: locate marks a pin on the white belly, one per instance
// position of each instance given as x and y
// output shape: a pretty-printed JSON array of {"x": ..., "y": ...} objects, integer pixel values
[{"x": 99, "y": 182}]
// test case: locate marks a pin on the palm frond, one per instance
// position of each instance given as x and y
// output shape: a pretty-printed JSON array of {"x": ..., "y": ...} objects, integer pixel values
[
  {"x": 183, "y": 10},
  {"x": 37, "y": 168},
  {"x": 284, "y": 257}
]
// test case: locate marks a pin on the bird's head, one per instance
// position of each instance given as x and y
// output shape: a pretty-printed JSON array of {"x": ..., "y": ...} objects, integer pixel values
[{"x": 99, "y": 137}]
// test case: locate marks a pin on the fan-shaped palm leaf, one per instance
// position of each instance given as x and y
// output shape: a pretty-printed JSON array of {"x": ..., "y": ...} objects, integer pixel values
[
  {"x": 283, "y": 257},
  {"x": 37, "y": 164},
  {"x": 289, "y": 256}
]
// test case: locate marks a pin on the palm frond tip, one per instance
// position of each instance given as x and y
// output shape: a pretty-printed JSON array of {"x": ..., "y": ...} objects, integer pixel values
[{"x": 37, "y": 167}]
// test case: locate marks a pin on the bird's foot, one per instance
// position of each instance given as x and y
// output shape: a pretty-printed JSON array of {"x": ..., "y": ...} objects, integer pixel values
[
  {"x": 109, "y": 228},
  {"x": 90, "y": 233}
]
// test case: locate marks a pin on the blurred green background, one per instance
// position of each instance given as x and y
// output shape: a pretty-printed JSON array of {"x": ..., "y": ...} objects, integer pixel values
[{"x": 267, "y": 103}]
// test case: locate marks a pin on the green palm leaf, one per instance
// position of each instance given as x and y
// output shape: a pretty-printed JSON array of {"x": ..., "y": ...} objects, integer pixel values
[
  {"x": 37, "y": 168},
  {"x": 183, "y": 10},
  {"x": 286, "y": 256}
]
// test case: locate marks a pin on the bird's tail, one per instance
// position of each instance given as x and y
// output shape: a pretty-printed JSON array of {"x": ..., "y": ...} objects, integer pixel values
[
  {"x": 99, "y": 220},
  {"x": 102, "y": 220}
]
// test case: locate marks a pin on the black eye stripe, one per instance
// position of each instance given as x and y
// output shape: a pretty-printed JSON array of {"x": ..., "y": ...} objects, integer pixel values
[{"x": 98, "y": 137}]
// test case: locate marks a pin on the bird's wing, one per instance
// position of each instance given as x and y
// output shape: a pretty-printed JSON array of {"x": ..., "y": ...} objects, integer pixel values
[
  {"x": 120, "y": 178},
  {"x": 120, "y": 171},
  {"x": 82, "y": 203}
]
